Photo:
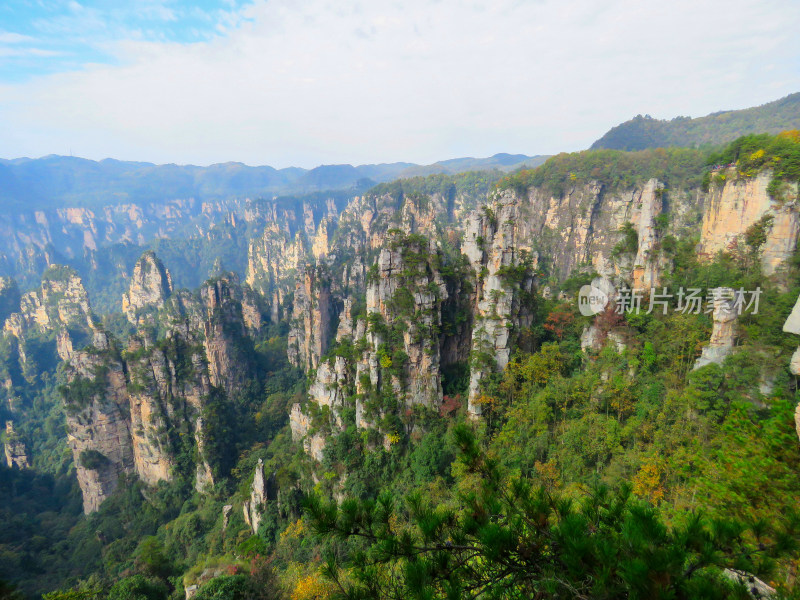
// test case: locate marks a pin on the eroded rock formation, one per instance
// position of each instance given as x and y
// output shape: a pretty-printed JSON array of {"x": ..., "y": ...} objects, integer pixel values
[
  {"x": 723, "y": 332},
  {"x": 743, "y": 202},
  {"x": 150, "y": 286},
  {"x": 15, "y": 451},
  {"x": 311, "y": 322}
]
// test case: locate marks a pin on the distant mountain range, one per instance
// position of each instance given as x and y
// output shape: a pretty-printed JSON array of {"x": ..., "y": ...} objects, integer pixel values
[
  {"x": 58, "y": 181},
  {"x": 65, "y": 181},
  {"x": 717, "y": 128}
]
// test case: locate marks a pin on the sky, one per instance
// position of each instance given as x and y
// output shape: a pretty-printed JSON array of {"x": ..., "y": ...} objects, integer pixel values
[{"x": 294, "y": 83}]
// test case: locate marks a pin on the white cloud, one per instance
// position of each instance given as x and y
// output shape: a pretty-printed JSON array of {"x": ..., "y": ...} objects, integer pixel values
[
  {"x": 8, "y": 37},
  {"x": 418, "y": 80}
]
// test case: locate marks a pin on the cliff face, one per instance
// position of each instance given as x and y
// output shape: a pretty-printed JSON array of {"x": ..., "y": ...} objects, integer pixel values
[
  {"x": 14, "y": 447},
  {"x": 74, "y": 230},
  {"x": 225, "y": 329},
  {"x": 131, "y": 413},
  {"x": 171, "y": 380},
  {"x": 50, "y": 322},
  {"x": 399, "y": 327},
  {"x": 168, "y": 385},
  {"x": 289, "y": 240},
  {"x": 98, "y": 428},
  {"x": 61, "y": 301},
  {"x": 387, "y": 361},
  {"x": 272, "y": 263},
  {"x": 311, "y": 322},
  {"x": 404, "y": 302},
  {"x": 585, "y": 226},
  {"x": 501, "y": 259},
  {"x": 150, "y": 286},
  {"x": 740, "y": 204}
]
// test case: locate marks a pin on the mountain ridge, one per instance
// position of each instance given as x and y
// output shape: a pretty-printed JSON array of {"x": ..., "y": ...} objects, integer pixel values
[
  {"x": 716, "y": 128},
  {"x": 56, "y": 181}
]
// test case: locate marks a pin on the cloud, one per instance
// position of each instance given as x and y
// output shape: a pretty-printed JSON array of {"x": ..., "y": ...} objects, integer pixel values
[
  {"x": 285, "y": 83},
  {"x": 16, "y": 52},
  {"x": 8, "y": 37}
]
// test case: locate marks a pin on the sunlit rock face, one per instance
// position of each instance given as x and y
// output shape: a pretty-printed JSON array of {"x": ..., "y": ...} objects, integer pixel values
[
  {"x": 730, "y": 210},
  {"x": 150, "y": 286},
  {"x": 723, "y": 332}
]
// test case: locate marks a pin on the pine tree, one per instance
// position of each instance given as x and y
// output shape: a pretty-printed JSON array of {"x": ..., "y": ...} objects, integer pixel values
[{"x": 512, "y": 539}]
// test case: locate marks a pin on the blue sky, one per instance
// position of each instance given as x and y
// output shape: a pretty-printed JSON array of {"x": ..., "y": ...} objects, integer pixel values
[
  {"x": 40, "y": 37},
  {"x": 288, "y": 82}
]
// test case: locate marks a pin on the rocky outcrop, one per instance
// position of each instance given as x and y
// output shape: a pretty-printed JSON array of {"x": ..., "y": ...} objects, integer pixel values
[
  {"x": 502, "y": 262},
  {"x": 595, "y": 337},
  {"x": 273, "y": 260},
  {"x": 584, "y": 226},
  {"x": 134, "y": 410},
  {"x": 404, "y": 302},
  {"x": 280, "y": 253},
  {"x": 150, "y": 286},
  {"x": 648, "y": 264},
  {"x": 168, "y": 384},
  {"x": 756, "y": 588},
  {"x": 58, "y": 309},
  {"x": 302, "y": 430},
  {"x": 741, "y": 203},
  {"x": 98, "y": 430},
  {"x": 388, "y": 358},
  {"x": 723, "y": 332},
  {"x": 310, "y": 327},
  {"x": 792, "y": 325},
  {"x": 260, "y": 492},
  {"x": 226, "y": 515},
  {"x": 60, "y": 302},
  {"x": 15, "y": 451},
  {"x": 225, "y": 332},
  {"x": 132, "y": 413}
]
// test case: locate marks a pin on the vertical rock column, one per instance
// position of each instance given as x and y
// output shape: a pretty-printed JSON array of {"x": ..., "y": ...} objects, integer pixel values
[
  {"x": 723, "y": 332},
  {"x": 98, "y": 431},
  {"x": 792, "y": 325},
  {"x": 16, "y": 454},
  {"x": 492, "y": 247}
]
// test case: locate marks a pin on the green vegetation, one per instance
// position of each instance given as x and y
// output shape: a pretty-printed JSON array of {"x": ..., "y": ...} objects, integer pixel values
[
  {"x": 508, "y": 538},
  {"x": 754, "y": 153},
  {"x": 472, "y": 185},
  {"x": 630, "y": 240},
  {"x": 676, "y": 167},
  {"x": 715, "y": 129},
  {"x": 93, "y": 460},
  {"x": 608, "y": 475}
]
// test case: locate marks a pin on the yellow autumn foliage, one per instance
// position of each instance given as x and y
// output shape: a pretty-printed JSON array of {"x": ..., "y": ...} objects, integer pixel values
[
  {"x": 312, "y": 587},
  {"x": 647, "y": 482},
  {"x": 295, "y": 530},
  {"x": 791, "y": 134}
]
